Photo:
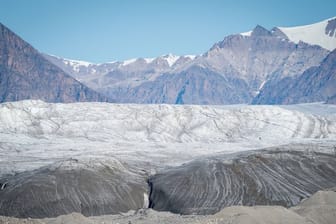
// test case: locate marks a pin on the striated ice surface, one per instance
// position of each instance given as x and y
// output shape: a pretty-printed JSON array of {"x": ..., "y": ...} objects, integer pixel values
[{"x": 34, "y": 133}]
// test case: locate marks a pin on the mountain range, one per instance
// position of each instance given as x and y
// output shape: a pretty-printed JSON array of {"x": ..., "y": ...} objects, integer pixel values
[{"x": 277, "y": 66}]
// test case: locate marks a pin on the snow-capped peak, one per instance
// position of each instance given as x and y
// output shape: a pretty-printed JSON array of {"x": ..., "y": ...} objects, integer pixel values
[
  {"x": 322, "y": 33},
  {"x": 71, "y": 62},
  {"x": 171, "y": 59},
  {"x": 76, "y": 63}
]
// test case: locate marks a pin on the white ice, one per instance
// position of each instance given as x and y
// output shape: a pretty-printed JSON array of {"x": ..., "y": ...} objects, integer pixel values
[
  {"x": 34, "y": 133},
  {"x": 312, "y": 34}
]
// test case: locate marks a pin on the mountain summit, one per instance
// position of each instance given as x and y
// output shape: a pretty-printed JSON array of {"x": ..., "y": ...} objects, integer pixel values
[
  {"x": 26, "y": 74},
  {"x": 322, "y": 33}
]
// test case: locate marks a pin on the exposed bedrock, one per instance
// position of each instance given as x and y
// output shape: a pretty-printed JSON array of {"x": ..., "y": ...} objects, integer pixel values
[
  {"x": 256, "y": 178},
  {"x": 87, "y": 187}
]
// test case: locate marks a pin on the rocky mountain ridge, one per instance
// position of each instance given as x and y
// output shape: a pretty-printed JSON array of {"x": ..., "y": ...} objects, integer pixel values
[
  {"x": 234, "y": 70},
  {"x": 26, "y": 74}
]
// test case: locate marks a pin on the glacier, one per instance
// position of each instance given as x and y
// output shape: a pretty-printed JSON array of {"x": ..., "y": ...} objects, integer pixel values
[{"x": 35, "y": 133}]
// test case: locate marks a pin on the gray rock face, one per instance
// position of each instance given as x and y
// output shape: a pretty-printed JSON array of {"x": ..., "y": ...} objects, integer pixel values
[
  {"x": 263, "y": 56},
  {"x": 331, "y": 28},
  {"x": 258, "y": 178},
  {"x": 26, "y": 74},
  {"x": 194, "y": 85},
  {"x": 315, "y": 84},
  {"x": 87, "y": 187},
  {"x": 332, "y": 100}
]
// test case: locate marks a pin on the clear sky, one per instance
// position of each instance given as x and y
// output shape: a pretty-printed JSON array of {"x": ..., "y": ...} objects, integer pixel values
[{"x": 108, "y": 30}]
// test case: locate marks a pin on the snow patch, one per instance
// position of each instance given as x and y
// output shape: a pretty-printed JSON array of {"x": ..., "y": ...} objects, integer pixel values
[
  {"x": 314, "y": 34},
  {"x": 262, "y": 85},
  {"x": 77, "y": 63},
  {"x": 130, "y": 61},
  {"x": 149, "y": 60},
  {"x": 247, "y": 34},
  {"x": 110, "y": 62},
  {"x": 146, "y": 201},
  {"x": 171, "y": 59},
  {"x": 192, "y": 57}
]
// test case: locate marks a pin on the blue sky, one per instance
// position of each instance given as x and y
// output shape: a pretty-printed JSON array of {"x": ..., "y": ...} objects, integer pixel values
[{"x": 108, "y": 30}]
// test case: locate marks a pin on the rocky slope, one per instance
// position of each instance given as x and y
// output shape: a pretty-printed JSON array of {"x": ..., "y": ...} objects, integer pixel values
[
  {"x": 26, "y": 74},
  {"x": 196, "y": 85},
  {"x": 231, "y": 72},
  {"x": 315, "y": 84}
]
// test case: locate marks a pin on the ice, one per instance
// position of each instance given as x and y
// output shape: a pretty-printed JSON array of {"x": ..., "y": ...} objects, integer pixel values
[
  {"x": 35, "y": 133},
  {"x": 312, "y": 34}
]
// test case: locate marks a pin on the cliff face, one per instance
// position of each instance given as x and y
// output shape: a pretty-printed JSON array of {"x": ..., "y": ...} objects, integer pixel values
[
  {"x": 26, "y": 74},
  {"x": 195, "y": 85}
]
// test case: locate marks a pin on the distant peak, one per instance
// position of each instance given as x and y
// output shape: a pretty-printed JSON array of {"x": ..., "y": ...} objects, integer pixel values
[
  {"x": 260, "y": 31},
  {"x": 278, "y": 33},
  {"x": 170, "y": 55},
  {"x": 170, "y": 58}
]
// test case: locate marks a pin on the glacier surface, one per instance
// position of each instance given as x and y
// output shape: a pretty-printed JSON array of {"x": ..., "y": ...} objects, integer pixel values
[{"x": 34, "y": 133}]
